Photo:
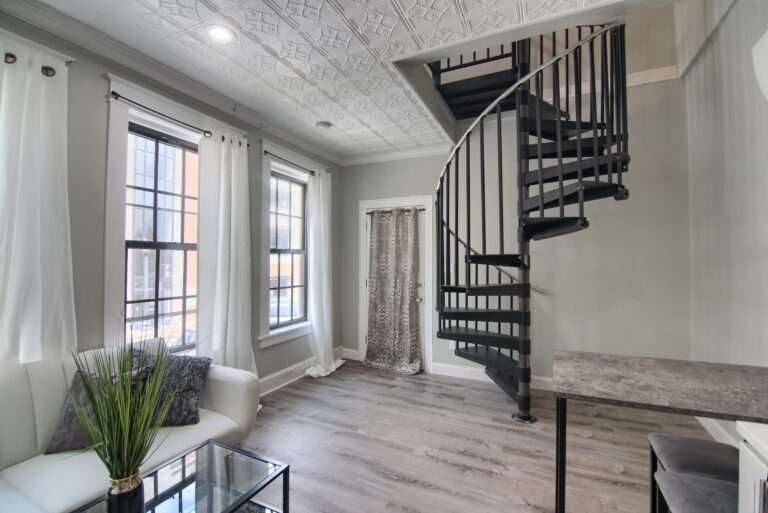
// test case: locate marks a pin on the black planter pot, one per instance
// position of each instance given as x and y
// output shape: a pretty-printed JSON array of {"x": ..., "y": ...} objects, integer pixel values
[{"x": 127, "y": 502}]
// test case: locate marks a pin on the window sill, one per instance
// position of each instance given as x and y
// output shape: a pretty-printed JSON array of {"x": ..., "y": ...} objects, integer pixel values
[{"x": 280, "y": 335}]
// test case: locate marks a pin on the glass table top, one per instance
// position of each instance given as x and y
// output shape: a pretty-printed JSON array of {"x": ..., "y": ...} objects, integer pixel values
[{"x": 213, "y": 478}]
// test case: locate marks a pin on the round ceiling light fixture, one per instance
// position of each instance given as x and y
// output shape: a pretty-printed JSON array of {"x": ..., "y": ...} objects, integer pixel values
[
  {"x": 220, "y": 34},
  {"x": 324, "y": 125}
]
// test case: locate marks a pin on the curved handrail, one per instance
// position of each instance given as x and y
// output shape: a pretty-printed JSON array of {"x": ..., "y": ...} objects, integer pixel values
[{"x": 503, "y": 96}]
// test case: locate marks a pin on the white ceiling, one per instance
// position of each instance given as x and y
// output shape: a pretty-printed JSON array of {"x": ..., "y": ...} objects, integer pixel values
[{"x": 297, "y": 62}]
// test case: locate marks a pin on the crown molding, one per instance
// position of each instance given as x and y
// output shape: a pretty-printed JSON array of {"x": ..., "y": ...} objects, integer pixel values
[
  {"x": 372, "y": 158},
  {"x": 93, "y": 41}
]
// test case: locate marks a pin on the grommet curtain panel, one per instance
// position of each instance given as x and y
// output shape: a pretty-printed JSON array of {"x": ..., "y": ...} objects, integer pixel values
[
  {"x": 320, "y": 289},
  {"x": 394, "y": 334},
  {"x": 225, "y": 252},
  {"x": 37, "y": 306}
]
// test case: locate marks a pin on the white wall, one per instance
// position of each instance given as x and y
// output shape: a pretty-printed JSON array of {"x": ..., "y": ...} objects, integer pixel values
[
  {"x": 728, "y": 154},
  {"x": 621, "y": 286},
  {"x": 87, "y": 140}
]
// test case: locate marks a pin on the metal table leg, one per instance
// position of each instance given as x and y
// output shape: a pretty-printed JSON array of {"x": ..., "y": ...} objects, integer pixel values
[
  {"x": 560, "y": 455},
  {"x": 654, "y": 490},
  {"x": 286, "y": 489}
]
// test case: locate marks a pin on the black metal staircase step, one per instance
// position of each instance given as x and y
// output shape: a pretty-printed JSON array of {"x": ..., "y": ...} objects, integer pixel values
[
  {"x": 568, "y": 129},
  {"x": 507, "y": 383},
  {"x": 493, "y": 359},
  {"x": 592, "y": 191},
  {"x": 471, "y": 106},
  {"x": 498, "y": 81},
  {"x": 569, "y": 148},
  {"x": 485, "y": 338},
  {"x": 589, "y": 168},
  {"x": 490, "y": 315},
  {"x": 491, "y": 289},
  {"x": 538, "y": 228},
  {"x": 499, "y": 260}
]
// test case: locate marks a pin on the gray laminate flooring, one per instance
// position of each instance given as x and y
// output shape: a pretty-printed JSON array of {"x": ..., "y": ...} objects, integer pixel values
[{"x": 367, "y": 441}]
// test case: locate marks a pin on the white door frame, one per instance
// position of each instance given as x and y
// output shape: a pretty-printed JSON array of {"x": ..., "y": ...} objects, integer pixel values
[{"x": 425, "y": 202}]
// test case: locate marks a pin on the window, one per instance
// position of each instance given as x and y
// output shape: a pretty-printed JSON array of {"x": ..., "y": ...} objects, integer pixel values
[
  {"x": 287, "y": 251},
  {"x": 161, "y": 239}
]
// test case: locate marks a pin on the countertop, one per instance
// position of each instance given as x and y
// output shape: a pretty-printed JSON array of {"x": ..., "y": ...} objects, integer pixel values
[{"x": 702, "y": 389}]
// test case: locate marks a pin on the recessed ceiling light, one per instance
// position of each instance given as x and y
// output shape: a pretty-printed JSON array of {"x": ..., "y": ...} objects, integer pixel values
[
  {"x": 324, "y": 125},
  {"x": 220, "y": 34}
]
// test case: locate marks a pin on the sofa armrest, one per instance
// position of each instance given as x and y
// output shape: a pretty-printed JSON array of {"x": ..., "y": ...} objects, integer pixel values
[{"x": 232, "y": 392}]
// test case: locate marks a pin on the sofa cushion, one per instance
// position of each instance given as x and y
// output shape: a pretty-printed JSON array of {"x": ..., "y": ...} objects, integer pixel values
[
  {"x": 184, "y": 379},
  {"x": 69, "y": 435},
  {"x": 49, "y": 387},
  {"x": 13, "y": 500},
  {"x": 183, "y": 438},
  {"x": 73, "y": 479}
]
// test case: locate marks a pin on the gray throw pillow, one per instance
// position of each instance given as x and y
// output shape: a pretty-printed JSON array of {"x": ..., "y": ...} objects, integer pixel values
[
  {"x": 69, "y": 436},
  {"x": 184, "y": 380}
]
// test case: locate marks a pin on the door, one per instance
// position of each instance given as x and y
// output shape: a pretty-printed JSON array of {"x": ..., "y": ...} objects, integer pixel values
[{"x": 424, "y": 221}]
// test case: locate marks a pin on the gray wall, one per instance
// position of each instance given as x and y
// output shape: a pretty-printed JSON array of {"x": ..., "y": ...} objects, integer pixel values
[
  {"x": 87, "y": 139},
  {"x": 621, "y": 286},
  {"x": 728, "y": 152}
]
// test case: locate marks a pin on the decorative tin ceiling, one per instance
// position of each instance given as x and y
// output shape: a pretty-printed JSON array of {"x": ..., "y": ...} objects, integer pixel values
[{"x": 301, "y": 61}]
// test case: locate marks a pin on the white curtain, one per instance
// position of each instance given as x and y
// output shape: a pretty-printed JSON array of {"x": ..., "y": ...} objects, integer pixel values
[
  {"x": 225, "y": 252},
  {"x": 320, "y": 290},
  {"x": 37, "y": 307}
]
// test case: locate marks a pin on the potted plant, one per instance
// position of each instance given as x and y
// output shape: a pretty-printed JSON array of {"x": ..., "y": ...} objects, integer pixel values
[{"x": 121, "y": 415}]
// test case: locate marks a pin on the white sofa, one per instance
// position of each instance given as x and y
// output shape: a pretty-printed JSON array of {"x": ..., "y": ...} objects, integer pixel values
[{"x": 31, "y": 398}]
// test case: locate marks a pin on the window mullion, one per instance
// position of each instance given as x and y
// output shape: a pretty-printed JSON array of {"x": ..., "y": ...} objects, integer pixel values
[{"x": 155, "y": 237}]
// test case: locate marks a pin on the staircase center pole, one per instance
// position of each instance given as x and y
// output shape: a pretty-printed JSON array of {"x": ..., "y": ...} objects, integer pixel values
[{"x": 523, "y": 413}]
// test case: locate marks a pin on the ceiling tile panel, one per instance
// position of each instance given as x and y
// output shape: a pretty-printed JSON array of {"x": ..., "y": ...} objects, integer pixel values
[{"x": 297, "y": 62}]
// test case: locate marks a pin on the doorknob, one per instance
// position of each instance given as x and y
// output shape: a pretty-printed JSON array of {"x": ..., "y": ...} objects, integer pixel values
[{"x": 419, "y": 299}]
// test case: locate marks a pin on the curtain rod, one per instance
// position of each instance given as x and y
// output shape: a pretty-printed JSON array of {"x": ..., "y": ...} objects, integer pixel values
[
  {"x": 117, "y": 96},
  {"x": 289, "y": 162},
  {"x": 420, "y": 209}
]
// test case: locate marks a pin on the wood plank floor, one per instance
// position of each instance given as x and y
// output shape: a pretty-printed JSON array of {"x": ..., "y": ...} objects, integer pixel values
[{"x": 367, "y": 441}]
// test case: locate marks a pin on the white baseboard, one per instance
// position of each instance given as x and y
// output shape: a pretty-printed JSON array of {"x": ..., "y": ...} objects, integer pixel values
[
  {"x": 718, "y": 431},
  {"x": 478, "y": 374},
  {"x": 352, "y": 354},
  {"x": 283, "y": 377}
]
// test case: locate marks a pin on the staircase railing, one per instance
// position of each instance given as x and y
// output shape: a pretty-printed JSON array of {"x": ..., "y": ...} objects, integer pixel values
[{"x": 567, "y": 144}]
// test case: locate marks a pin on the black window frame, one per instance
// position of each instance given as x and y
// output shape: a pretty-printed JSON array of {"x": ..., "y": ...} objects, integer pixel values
[
  {"x": 275, "y": 251},
  {"x": 158, "y": 138}
]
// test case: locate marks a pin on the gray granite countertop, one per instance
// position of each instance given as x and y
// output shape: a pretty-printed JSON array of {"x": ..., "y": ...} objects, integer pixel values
[{"x": 714, "y": 390}]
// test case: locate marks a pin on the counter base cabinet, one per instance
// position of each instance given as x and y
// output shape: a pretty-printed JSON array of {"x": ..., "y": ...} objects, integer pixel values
[{"x": 753, "y": 472}]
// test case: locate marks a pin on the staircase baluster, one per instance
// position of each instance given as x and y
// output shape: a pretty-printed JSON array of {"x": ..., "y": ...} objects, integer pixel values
[
  {"x": 559, "y": 137},
  {"x": 467, "y": 268},
  {"x": 501, "y": 194},
  {"x": 439, "y": 233},
  {"x": 593, "y": 102},
  {"x": 577, "y": 99},
  {"x": 567, "y": 75},
  {"x": 456, "y": 231},
  {"x": 447, "y": 223},
  {"x": 623, "y": 61},
  {"x": 605, "y": 100},
  {"x": 539, "y": 94},
  {"x": 483, "y": 245},
  {"x": 615, "y": 109}
]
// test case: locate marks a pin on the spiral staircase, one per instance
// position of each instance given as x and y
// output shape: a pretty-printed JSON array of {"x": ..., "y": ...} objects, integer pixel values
[{"x": 511, "y": 180}]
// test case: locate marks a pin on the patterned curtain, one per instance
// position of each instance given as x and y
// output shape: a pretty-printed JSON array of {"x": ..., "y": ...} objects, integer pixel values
[{"x": 393, "y": 310}]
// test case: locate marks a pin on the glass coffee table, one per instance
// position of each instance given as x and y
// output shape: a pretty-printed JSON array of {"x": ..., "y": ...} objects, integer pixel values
[{"x": 214, "y": 478}]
